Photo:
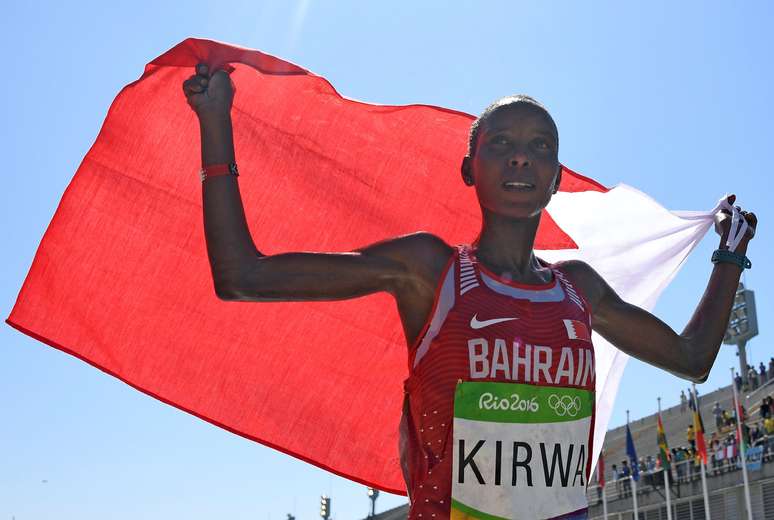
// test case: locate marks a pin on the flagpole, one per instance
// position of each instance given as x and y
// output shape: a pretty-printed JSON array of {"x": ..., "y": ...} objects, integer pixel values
[
  {"x": 665, "y": 470},
  {"x": 703, "y": 467},
  {"x": 742, "y": 449},
  {"x": 601, "y": 481},
  {"x": 631, "y": 476}
]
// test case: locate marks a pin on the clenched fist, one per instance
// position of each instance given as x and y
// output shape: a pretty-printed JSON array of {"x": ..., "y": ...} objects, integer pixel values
[
  {"x": 723, "y": 224},
  {"x": 209, "y": 95}
]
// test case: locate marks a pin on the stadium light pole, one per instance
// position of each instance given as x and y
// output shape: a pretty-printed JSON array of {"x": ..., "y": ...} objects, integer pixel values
[
  {"x": 742, "y": 325},
  {"x": 325, "y": 507},
  {"x": 373, "y": 494}
]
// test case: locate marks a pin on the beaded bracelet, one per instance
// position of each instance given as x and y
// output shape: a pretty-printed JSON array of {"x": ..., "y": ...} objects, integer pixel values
[{"x": 726, "y": 256}]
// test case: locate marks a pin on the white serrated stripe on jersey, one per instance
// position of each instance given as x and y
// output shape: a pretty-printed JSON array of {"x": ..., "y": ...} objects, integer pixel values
[
  {"x": 465, "y": 288},
  {"x": 468, "y": 283},
  {"x": 468, "y": 278},
  {"x": 554, "y": 294},
  {"x": 472, "y": 285},
  {"x": 571, "y": 293},
  {"x": 442, "y": 308}
]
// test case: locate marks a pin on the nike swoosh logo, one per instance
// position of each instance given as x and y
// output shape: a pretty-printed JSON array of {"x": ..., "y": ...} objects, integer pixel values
[{"x": 475, "y": 324}]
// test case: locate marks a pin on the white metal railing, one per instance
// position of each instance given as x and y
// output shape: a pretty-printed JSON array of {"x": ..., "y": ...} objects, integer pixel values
[{"x": 682, "y": 472}]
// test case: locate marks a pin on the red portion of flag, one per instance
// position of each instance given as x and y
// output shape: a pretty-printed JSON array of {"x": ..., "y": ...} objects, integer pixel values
[
  {"x": 121, "y": 278},
  {"x": 661, "y": 440},
  {"x": 698, "y": 428},
  {"x": 701, "y": 446},
  {"x": 740, "y": 417}
]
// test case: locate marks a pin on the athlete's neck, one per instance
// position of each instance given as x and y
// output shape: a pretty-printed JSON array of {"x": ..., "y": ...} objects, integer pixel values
[{"x": 505, "y": 247}]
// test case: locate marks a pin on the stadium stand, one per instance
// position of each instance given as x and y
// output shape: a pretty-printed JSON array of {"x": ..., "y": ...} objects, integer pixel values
[{"x": 724, "y": 483}]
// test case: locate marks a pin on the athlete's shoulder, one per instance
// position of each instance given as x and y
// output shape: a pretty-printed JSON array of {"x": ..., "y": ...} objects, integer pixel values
[
  {"x": 575, "y": 268},
  {"x": 425, "y": 250},
  {"x": 585, "y": 278},
  {"x": 424, "y": 239},
  {"x": 420, "y": 243},
  {"x": 421, "y": 251},
  {"x": 421, "y": 259}
]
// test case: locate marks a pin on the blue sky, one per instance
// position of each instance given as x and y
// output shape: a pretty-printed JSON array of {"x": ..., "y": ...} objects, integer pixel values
[{"x": 672, "y": 98}]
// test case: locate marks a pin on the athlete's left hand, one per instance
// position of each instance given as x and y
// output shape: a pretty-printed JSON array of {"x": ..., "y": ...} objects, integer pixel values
[{"x": 723, "y": 225}]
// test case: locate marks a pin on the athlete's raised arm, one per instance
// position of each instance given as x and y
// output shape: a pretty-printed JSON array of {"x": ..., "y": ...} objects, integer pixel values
[
  {"x": 407, "y": 267},
  {"x": 637, "y": 332}
]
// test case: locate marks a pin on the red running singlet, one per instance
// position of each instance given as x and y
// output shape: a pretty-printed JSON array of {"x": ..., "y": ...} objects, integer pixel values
[{"x": 498, "y": 419}]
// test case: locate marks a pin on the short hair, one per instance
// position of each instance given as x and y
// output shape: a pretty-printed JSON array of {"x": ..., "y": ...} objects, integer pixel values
[{"x": 506, "y": 101}]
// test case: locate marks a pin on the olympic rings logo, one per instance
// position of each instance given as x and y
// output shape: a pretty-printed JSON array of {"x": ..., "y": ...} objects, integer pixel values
[{"x": 564, "y": 405}]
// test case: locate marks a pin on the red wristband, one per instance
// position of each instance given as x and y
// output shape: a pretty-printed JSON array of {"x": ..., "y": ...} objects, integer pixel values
[{"x": 216, "y": 170}]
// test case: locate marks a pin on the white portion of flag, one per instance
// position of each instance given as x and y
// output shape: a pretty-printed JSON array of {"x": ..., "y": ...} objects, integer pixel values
[{"x": 635, "y": 244}]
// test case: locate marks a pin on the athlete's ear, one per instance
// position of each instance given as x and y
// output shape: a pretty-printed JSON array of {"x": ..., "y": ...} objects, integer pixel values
[
  {"x": 467, "y": 173},
  {"x": 557, "y": 179}
]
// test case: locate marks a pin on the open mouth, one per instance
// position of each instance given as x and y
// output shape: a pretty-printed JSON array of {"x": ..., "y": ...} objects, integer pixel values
[{"x": 518, "y": 186}]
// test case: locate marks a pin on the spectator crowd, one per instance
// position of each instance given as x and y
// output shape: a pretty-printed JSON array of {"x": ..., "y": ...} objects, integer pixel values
[{"x": 723, "y": 450}]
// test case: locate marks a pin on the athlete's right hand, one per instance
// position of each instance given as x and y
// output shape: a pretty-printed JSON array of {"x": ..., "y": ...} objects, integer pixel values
[{"x": 209, "y": 95}]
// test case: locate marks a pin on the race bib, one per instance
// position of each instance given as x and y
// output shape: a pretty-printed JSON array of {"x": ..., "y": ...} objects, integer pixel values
[{"x": 520, "y": 451}]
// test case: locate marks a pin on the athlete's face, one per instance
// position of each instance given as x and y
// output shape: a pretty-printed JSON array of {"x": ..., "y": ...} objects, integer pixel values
[{"x": 515, "y": 168}]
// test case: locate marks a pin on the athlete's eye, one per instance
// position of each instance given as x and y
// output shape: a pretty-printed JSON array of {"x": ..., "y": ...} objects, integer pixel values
[
  {"x": 541, "y": 144},
  {"x": 499, "y": 139}
]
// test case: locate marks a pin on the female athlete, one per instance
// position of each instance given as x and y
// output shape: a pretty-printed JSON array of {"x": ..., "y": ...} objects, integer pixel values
[{"x": 499, "y": 411}]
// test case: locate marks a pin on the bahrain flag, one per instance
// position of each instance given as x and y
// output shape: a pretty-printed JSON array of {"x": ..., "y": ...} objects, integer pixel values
[{"x": 121, "y": 278}]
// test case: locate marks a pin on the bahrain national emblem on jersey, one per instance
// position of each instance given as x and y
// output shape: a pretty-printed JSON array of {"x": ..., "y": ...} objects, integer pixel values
[{"x": 577, "y": 330}]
